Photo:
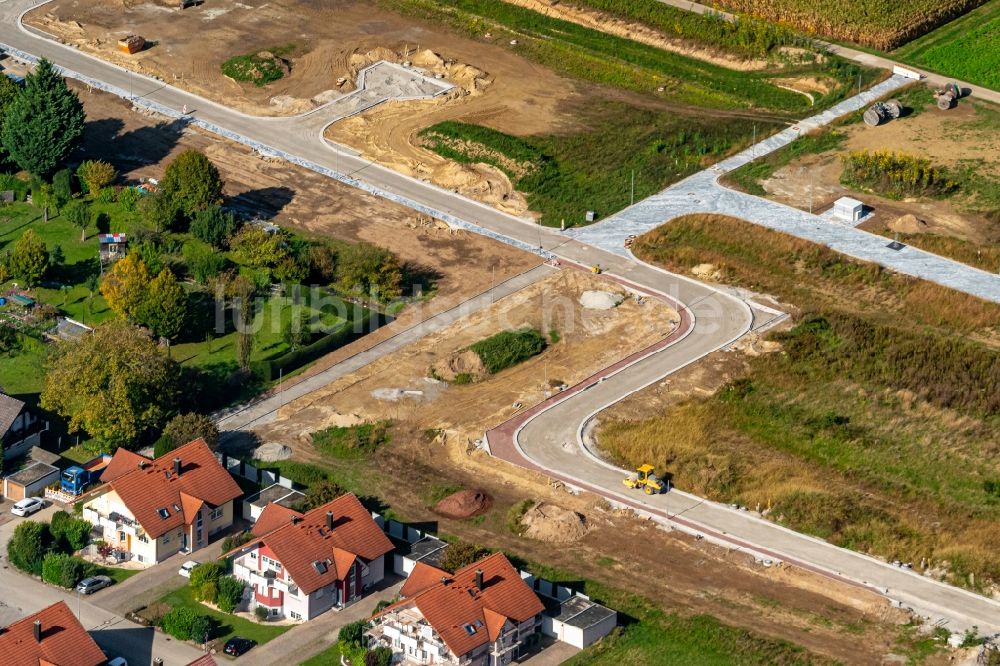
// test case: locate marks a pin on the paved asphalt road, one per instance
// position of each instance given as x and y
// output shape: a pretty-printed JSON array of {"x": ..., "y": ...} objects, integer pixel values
[
  {"x": 23, "y": 595},
  {"x": 717, "y": 317}
]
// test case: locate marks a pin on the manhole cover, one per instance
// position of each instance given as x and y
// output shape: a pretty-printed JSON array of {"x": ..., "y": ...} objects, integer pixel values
[{"x": 895, "y": 245}]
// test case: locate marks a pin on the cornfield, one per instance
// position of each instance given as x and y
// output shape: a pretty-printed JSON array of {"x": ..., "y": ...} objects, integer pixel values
[
  {"x": 880, "y": 25},
  {"x": 895, "y": 175}
]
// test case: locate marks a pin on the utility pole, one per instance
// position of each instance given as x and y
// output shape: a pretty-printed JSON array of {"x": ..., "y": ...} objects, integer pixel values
[
  {"x": 632, "y": 198},
  {"x": 753, "y": 146}
]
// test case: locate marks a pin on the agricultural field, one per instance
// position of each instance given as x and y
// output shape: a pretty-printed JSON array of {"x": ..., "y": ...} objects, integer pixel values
[
  {"x": 958, "y": 218},
  {"x": 882, "y": 26},
  {"x": 968, "y": 48},
  {"x": 871, "y": 421}
]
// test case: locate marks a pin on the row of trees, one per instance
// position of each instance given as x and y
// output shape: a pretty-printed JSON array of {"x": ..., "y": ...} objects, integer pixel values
[{"x": 46, "y": 549}]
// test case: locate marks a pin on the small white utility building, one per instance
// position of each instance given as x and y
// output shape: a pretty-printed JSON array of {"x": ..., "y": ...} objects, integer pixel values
[{"x": 847, "y": 209}]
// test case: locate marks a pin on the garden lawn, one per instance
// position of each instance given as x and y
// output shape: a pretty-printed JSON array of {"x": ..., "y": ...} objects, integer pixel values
[
  {"x": 117, "y": 574},
  {"x": 228, "y": 625},
  {"x": 329, "y": 656}
]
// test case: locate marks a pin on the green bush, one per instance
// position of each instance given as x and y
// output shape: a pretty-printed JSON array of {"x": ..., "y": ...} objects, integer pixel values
[
  {"x": 163, "y": 445},
  {"x": 205, "y": 578},
  {"x": 261, "y": 613},
  {"x": 28, "y": 546},
  {"x": 462, "y": 554},
  {"x": 230, "y": 593},
  {"x": 508, "y": 348},
  {"x": 178, "y": 622},
  {"x": 62, "y": 186},
  {"x": 69, "y": 532},
  {"x": 895, "y": 175},
  {"x": 352, "y": 634},
  {"x": 380, "y": 656},
  {"x": 202, "y": 628},
  {"x": 236, "y": 540},
  {"x": 352, "y": 441},
  {"x": 65, "y": 570},
  {"x": 254, "y": 68}
]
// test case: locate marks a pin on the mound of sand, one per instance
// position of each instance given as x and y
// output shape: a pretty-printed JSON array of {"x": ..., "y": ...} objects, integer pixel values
[
  {"x": 464, "y": 504},
  {"x": 600, "y": 300},
  {"x": 271, "y": 452},
  {"x": 467, "y": 362},
  {"x": 706, "y": 272},
  {"x": 554, "y": 524},
  {"x": 908, "y": 224}
]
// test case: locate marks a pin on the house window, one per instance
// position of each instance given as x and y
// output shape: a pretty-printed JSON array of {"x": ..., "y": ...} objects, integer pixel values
[
  {"x": 294, "y": 615},
  {"x": 216, "y": 514},
  {"x": 274, "y": 611},
  {"x": 121, "y": 537},
  {"x": 140, "y": 558},
  {"x": 164, "y": 513},
  {"x": 166, "y": 538},
  {"x": 143, "y": 538}
]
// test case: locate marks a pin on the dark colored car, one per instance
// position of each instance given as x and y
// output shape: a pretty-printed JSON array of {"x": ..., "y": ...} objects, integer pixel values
[
  {"x": 237, "y": 645},
  {"x": 93, "y": 584}
]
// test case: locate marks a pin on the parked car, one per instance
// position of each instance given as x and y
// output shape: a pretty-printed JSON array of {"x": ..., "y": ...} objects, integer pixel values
[
  {"x": 238, "y": 645},
  {"x": 93, "y": 584},
  {"x": 27, "y": 506},
  {"x": 187, "y": 567},
  {"x": 118, "y": 661}
]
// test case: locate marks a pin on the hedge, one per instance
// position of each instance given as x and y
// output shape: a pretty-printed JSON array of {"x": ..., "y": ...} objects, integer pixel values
[{"x": 508, "y": 348}]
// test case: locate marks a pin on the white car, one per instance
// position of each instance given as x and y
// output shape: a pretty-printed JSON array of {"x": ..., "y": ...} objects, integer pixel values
[
  {"x": 27, "y": 506},
  {"x": 187, "y": 567}
]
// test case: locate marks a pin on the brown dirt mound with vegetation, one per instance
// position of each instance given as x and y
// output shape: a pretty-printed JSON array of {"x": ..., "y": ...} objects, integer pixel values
[
  {"x": 554, "y": 524},
  {"x": 463, "y": 363},
  {"x": 464, "y": 504}
]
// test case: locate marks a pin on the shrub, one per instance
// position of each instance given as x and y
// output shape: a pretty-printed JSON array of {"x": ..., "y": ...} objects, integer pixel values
[
  {"x": 69, "y": 532},
  {"x": 236, "y": 540},
  {"x": 96, "y": 175},
  {"x": 178, "y": 622},
  {"x": 350, "y": 441},
  {"x": 230, "y": 593},
  {"x": 185, "y": 428},
  {"x": 461, "y": 554},
  {"x": 214, "y": 226},
  {"x": 205, "y": 578},
  {"x": 65, "y": 570},
  {"x": 895, "y": 175},
  {"x": 27, "y": 547},
  {"x": 380, "y": 656},
  {"x": 203, "y": 262},
  {"x": 62, "y": 186},
  {"x": 352, "y": 634},
  {"x": 202, "y": 628},
  {"x": 261, "y": 613},
  {"x": 192, "y": 183},
  {"x": 258, "y": 68},
  {"x": 163, "y": 445},
  {"x": 508, "y": 348},
  {"x": 369, "y": 270},
  {"x": 319, "y": 494}
]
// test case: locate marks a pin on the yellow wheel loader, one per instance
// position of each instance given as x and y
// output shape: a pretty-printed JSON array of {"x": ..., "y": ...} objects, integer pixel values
[{"x": 645, "y": 479}]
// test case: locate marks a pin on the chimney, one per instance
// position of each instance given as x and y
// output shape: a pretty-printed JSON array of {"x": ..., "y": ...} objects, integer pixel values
[
  {"x": 479, "y": 579},
  {"x": 142, "y": 464},
  {"x": 295, "y": 519},
  {"x": 329, "y": 520},
  {"x": 177, "y": 466},
  {"x": 38, "y": 631},
  {"x": 444, "y": 580}
]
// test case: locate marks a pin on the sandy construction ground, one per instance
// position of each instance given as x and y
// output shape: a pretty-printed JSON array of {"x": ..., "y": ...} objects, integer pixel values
[{"x": 950, "y": 139}]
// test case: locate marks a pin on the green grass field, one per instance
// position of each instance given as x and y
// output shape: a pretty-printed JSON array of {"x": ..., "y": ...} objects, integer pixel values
[
  {"x": 852, "y": 432},
  {"x": 228, "y": 625},
  {"x": 968, "y": 48}
]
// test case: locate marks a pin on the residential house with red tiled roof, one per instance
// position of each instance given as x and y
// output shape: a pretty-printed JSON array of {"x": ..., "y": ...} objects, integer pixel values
[
  {"x": 482, "y": 615},
  {"x": 51, "y": 637},
  {"x": 156, "y": 508},
  {"x": 302, "y": 564}
]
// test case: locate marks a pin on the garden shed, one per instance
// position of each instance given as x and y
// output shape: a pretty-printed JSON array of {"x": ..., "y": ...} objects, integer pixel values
[
  {"x": 848, "y": 209},
  {"x": 30, "y": 481},
  {"x": 112, "y": 246}
]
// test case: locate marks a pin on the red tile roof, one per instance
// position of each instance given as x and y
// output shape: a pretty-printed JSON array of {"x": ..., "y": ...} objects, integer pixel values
[
  {"x": 202, "y": 478},
  {"x": 422, "y": 577},
  {"x": 122, "y": 462},
  {"x": 298, "y": 545},
  {"x": 272, "y": 517},
  {"x": 64, "y": 641},
  {"x": 205, "y": 660},
  {"x": 453, "y": 606}
]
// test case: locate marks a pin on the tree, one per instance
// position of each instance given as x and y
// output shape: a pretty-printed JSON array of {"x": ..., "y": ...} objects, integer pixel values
[
  {"x": 8, "y": 93},
  {"x": 256, "y": 247},
  {"x": 322, "y": 264},
  {"x": 353, "y": 633},
  {"x": 380, "y": 656},
  {"x": 214, "y": 226},
  {"x": 185, "y": 428},
  {"x": 115, "y": 383},
  {"x": 243, "y": 291},
  {"x": 157, "y": 210},
  {"x": 30, "y": 258},
  {"x": 236, "y": 540},
  {"x": 44, "y": 123},
  {"x": 164, "y": 306},
  {"x": 9, "y": 341},
  {"x": 296, "y": 330},
  {"x": 319, "y": 493},
  {"x": 461, "y": 554},
  {"x": 192, "y": 183},
  {"x": 202, "y": 628},
  {"x": 290, "y": 271},
  {"x": 62, "y": 186},
  {"x": 96, "y": 175},
  {"x": 69, "y": 532},
  {"x": 203, "y": 262},
  {"x": 78, "y": 214},
  {"x": 230, "y": 593},
  {"x": 205, "y": 579},
  {"x": 57, "y": 258},
  {"x": 27, "y": 548},
  {"x": 370, "y": 270},
  {"x": 124, "y": 287}
]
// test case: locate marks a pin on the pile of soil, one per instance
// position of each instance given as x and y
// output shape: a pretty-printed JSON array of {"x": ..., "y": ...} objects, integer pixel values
[
  {"x": 552, "y": 523},
  {"x": 908, "y": 224},
  {"x": 464, "y": 504},
  {"x": 272, "y": 452},
  {"x": 466, "y": 362},
  {"x": 600, "y": 300}
]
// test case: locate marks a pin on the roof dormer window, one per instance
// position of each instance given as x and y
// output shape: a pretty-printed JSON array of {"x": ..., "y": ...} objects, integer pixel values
[{"x": 164, "y": 512}]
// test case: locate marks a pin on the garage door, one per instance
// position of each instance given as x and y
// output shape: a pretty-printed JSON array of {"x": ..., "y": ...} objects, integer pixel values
[{"x": 13, "y": 491}]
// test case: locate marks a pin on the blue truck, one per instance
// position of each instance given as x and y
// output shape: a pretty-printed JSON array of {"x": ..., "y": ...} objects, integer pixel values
[{"x": 75, "y": 479}]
